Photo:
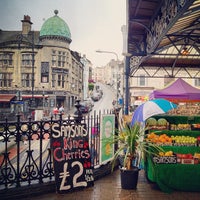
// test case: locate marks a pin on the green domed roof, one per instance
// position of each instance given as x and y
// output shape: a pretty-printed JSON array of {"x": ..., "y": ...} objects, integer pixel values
[{"x": 55, "y": 26}]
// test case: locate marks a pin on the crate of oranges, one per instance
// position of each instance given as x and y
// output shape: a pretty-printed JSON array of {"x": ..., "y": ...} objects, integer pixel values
[{"x": 163, "y": 139}]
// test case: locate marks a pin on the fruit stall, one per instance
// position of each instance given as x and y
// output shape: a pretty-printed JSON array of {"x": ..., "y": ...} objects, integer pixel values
[{"x": 177, "y": 166}]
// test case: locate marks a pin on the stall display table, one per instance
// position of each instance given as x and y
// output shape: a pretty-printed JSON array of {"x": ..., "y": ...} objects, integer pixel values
[
  {"x": 170, "y": 177},
  {"x": 177, "y": 176}
]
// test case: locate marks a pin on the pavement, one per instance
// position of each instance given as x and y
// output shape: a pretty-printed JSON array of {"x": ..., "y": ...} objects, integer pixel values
[{"x": 109, "y": 188}]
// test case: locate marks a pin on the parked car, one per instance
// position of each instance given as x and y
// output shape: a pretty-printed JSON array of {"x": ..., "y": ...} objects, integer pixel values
[
  {"x": 89, "y": 102},
  {"x": 100, "y": 91},
  {"x": 96, "y": 96}
]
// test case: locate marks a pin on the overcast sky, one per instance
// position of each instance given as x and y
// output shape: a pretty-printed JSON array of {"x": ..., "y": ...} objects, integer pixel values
[{"x": 94, "y": 24}]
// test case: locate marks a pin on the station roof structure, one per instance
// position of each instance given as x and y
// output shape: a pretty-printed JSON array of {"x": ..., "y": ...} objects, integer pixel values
[{"x": 164, "y": 37}]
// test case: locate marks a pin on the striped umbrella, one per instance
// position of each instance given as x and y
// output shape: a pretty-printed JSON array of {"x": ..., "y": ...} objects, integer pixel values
[{"x": 150, "y": 108}]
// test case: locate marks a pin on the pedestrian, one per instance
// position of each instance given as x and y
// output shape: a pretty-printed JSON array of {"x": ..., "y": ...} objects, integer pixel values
[
  {"x": 113, "y": 102},
  {"x": 33, "y": 115},
  {"x": 55, "y": 111},
  {"x": 61, "y": 109},
  {"x": 25, "y": 139}
]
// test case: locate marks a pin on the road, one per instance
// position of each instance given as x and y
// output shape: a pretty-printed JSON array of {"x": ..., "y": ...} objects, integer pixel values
[{"x": 105, "y": 103}]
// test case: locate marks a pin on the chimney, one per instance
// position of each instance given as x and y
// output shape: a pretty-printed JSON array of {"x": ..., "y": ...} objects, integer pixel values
[{"x": 26, "y": 25}]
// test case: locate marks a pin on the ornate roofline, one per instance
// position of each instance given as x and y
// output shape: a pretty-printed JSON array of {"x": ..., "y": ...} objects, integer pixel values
[{"x": 55, "y": 37}]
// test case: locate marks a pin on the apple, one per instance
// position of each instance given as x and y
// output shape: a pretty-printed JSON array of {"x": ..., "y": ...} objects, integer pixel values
[{"x": 189, "y": 156}]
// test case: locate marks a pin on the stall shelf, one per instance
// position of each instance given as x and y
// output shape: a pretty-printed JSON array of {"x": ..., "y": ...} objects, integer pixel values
[
  {"x": 177, "y": 119},
  {"x": 192, "y": 133}
]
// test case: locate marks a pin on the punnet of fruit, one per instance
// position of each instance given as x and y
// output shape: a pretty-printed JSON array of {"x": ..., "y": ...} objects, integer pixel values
[
  {"x": 167, "y": 153},
  {"x": 157, "y": 124},
  {"x": 151, "y": 121},
  {"x": 167, "y": 157},
  {"x": 180, "y": 140},
  {"x": 197, "y": 157},
  {"x": 162, "y": 139},
  {"x": 183, "y": 127},
  {"x": 162, "y": 122},
  {"x": 184, "y": 140},
  {"x": 188, "y": 158},
  {"x": 196, "y": 126}
]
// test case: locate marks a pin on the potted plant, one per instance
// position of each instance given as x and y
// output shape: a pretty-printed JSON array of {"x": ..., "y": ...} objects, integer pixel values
[{"x": 132, "y": 146}]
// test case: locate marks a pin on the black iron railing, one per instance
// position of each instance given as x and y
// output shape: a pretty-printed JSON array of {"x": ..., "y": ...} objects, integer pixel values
[{"x": 25, "y": 152}]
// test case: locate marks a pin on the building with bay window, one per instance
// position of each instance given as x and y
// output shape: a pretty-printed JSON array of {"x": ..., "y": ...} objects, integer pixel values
[{"x": 38, "y": 70}]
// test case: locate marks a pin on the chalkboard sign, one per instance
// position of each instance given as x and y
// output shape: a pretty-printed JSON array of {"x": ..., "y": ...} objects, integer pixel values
[{"x": 71, "y": 157}]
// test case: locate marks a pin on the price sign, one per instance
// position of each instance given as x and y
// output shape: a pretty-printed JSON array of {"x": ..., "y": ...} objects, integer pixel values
[{"x": 71, "y": 157}]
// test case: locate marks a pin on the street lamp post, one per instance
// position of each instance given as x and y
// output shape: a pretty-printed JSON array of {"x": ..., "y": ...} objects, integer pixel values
[
  {"x": 112, "y": 52},
  {"x": 20, "y": 37},
  {"x": 33, "y": 62},
  {"x": 43, "y": 101},
  {"x": 18, "y": 102},
  {"x": 127, "y": 73}
]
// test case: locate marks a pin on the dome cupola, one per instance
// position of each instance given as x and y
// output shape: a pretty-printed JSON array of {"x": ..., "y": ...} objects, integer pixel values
[{"x": 55, "y": 26}]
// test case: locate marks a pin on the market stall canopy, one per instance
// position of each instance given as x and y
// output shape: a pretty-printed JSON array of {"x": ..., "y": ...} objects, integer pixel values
[{"x": 179, "y": 91}]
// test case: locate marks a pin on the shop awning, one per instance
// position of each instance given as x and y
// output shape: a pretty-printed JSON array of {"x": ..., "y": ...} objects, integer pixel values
[{"x": 6, "y": 97}]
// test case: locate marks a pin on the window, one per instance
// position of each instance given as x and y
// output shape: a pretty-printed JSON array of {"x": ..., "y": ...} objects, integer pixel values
[
  {"x": 59, "y": 80},
  {"x": 63, "y": 81},
  {"x": 53, "y": 80},
  {"x": 6, "y": 59},
  {"x": 197, "y": 81},
  {"x": 26, "y": 80},
  {"x": 67, "y": 57},
  {"x": 61, "y": 59},
  {"x": 142, "y": 80},
  {"x": 44, "y": 72},
  {"x": 53, "y": 58},
  {"x": 6, "y": 79},
  {"x": 45, "y": 79},
  {"x": 27, "y": 60}
]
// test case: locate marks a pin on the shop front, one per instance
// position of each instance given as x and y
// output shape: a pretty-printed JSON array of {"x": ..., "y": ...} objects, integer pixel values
[{"x": 5, "y": 106}]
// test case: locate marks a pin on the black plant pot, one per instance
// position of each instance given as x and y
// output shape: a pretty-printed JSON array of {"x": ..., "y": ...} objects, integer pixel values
[{"x": 129, "y": 178}]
